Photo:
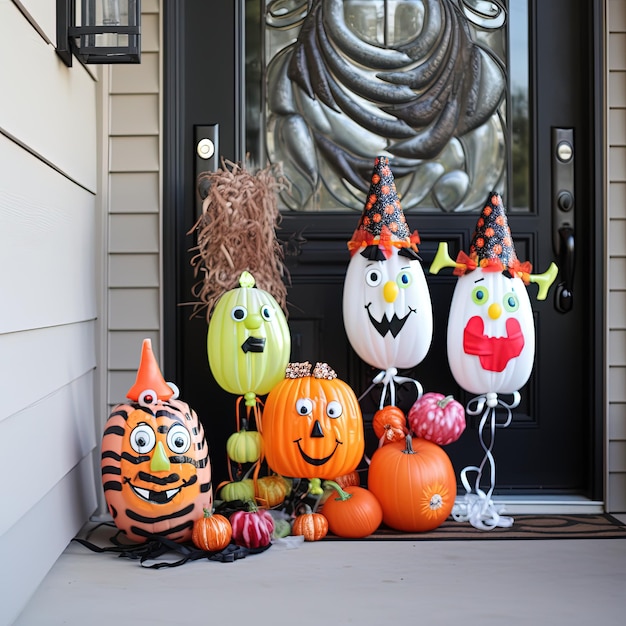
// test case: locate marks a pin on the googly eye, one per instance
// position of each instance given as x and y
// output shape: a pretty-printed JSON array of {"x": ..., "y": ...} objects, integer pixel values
[
  {"x": 267, "y": 313},
  {"x": 480, "y": 295},
  {"x": 510, "y": 302},
  {"x": 304, "y": 406},
  {"x": 175, "y": 389},
  {"x": 178, "y": 439},
  {"x": 239, "y": 313},
  {"x": 334, "y": 409},
  {"x": 373, "y": 278},
  {"x": 404, "y": 279},
  {"x": 142, "y": 439},
  {"x": 148, "y": 398}
]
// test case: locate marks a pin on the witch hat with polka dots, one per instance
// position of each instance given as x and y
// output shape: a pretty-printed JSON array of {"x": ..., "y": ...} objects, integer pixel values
[
  {"x": 382, "y": 222},
  {"x": 492, "y": 243}
]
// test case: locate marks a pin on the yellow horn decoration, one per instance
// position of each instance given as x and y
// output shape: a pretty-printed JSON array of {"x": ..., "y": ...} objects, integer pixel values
[
  {"x": 545, "y": 280},
  {"x": 442, "y": 259}
]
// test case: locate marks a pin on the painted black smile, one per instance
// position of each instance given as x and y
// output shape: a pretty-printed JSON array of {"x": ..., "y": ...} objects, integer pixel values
[
  {"x": 310, "y": 459},
  {"x": 386, "y": 325},
  {"x": 159, "y": 497},
  {"x": 253, "y": 344}
]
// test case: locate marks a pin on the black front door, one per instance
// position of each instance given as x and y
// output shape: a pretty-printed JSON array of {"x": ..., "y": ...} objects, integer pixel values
[{"x": 545, "y": 69}]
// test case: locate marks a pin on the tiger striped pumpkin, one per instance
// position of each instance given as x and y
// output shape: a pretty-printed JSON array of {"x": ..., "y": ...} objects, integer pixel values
[{"x": 156, "y": 470}]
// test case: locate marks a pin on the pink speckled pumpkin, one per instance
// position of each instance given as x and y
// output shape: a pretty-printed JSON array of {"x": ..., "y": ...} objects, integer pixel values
[{"x": 438, "y": 418}]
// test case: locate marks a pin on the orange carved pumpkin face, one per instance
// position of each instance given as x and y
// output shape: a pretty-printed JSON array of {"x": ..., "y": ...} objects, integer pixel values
[
  {"x": 156, "y": 469},
  {"x": 313, "y": 427}
]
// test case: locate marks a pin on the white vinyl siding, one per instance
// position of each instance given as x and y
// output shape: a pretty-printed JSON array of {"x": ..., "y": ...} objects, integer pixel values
[{"x": 49, "y": 239}]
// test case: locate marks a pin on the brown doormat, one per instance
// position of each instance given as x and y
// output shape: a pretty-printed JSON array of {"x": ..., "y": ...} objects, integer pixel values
[{"x": 598, "y": 526}]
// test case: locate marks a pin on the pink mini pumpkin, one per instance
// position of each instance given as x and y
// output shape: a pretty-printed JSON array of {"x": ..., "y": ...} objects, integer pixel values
[
  {"x": 438, "y": 418},
  {"x": 253, "y": 528}
]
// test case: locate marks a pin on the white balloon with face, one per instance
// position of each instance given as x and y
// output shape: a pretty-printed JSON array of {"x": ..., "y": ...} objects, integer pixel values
[
  {"x": 491, "y": 333},
  {"x": 387, "y": 312}
]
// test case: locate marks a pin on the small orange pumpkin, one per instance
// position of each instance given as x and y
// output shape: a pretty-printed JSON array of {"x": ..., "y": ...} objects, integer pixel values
[
  {"x": 312, "y": 424},
  {"x": 353, "y": 512},
  {"x": 352, "y": 479},
  {"x": 312, "y": 526},
  {"x": 211, "y": 532},
  {"x": 271, "y": 491},
  {"x": 389, "y": 424}
]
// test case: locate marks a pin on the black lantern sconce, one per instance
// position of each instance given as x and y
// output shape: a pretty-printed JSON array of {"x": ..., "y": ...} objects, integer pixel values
[{"x": 99, "y": 31}]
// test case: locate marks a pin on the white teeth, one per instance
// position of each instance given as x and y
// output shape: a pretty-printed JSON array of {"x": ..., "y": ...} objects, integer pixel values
[
  {"x": 171, "y": 493},
  {"x": 144, "y": 493}
]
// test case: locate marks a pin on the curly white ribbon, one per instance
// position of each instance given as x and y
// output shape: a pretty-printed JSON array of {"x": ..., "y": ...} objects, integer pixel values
[
  {"x": 389, "y": 379},
  {"x": 478, "y": 508}
]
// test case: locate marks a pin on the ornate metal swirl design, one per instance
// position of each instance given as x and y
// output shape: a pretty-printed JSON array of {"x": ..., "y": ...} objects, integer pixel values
[{"x": 432, "y": 102}]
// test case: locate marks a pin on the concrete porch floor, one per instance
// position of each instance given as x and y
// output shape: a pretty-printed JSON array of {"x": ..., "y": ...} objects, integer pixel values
[{"x": 375, "y": 583}]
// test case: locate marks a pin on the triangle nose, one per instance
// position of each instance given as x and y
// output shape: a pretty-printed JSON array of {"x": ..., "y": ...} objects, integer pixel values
[{"x": 316, "y": 431}]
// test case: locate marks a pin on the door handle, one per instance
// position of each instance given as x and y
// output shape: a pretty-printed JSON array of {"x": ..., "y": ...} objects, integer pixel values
[
  {"x": 563, "y": 294},
  {"x": 563, "y": 219},
  {"x": 206, "y": 145}
]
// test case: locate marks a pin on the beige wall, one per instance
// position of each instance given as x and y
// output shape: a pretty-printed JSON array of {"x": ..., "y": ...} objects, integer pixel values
[
  {"x": 616, "y": 167},
  {"x": 49, "y": 243}
]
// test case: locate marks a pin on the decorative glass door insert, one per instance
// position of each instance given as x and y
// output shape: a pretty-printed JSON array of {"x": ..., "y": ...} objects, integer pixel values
[{"x": 332, "y": 83}]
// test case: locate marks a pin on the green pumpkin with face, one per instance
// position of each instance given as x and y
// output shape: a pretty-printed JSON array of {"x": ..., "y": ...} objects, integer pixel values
[{"x": 248, "y": 340}]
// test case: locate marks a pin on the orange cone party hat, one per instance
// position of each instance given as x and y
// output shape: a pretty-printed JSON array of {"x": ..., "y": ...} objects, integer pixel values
[{"x": 149, "y": 376}]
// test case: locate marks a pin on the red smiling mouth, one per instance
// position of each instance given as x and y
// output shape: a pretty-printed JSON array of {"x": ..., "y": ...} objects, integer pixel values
[{"x": 494, "y": 352}]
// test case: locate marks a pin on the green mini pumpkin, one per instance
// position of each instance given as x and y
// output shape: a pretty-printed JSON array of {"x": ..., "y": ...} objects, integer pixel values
[{"x": 245, "y": 446}]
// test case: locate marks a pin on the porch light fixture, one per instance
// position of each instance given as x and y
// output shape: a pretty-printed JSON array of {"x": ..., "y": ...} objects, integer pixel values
[{"x": 99, "y": 31}]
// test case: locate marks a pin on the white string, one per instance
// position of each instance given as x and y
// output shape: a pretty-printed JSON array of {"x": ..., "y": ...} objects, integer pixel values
[
  {"x": 477, "y": 507},
  {"x": 389, "y": 379}
]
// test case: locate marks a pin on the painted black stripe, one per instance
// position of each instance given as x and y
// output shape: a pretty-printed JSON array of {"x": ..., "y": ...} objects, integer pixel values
[
  {"x": 157, "y": 480},
  {"x": 142, "y": 519},
  {"x": 206, "y": 461},
  {"x": 184, "y": 459},
  {"x": 137, "y": 460},
  {"x": 112, "y": 469},
  {"x": 109, "y": 454},
  {"x": 114, "y": 430},
  {"x": 166, "y": 533},
  {"x": 206, "y": 487},
  {"x": 173, "y": 416},
  {"x": 112, "y": 486}
]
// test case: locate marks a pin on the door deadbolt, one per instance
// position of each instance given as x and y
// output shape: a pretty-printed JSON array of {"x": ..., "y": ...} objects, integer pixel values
[
  {"x": 205, "y": 148},
  {"x": 564, "y": 151}
]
